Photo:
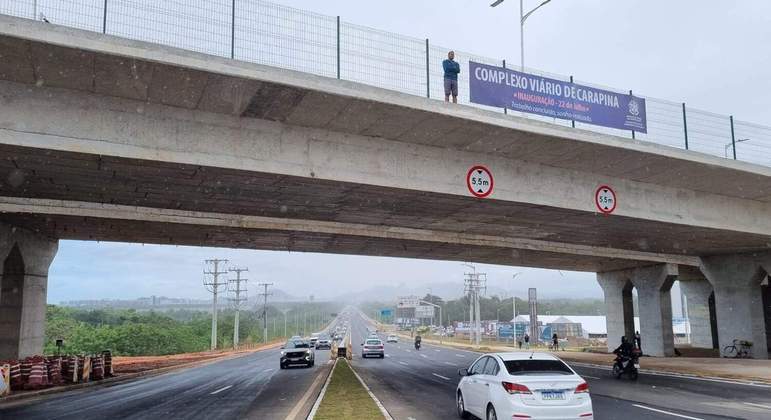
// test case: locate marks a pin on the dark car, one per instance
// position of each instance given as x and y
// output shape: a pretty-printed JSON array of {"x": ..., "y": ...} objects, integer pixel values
[{"x": 297, "y": 352}]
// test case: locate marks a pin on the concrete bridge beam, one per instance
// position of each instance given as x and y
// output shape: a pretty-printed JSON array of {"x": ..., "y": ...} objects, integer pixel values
[
  {"x": 25, "y": 258},
  {"x": 736, "y": 280}
]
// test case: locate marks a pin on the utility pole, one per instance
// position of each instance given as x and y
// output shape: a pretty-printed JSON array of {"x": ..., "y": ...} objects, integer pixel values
[
  {"x": 474, "y": 284},
  {"x": 265, "y": 295},
  {"x": 235, "y": 287},
  {"x": 213, "y": 285}
]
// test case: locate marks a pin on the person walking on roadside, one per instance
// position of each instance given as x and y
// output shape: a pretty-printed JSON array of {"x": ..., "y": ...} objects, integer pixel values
[
  {"x": 451, "y": 70},
  {"x": 527, "y": 342},
  {"x": 637, "y": 341},
  {"x": 555, "y": 341}
]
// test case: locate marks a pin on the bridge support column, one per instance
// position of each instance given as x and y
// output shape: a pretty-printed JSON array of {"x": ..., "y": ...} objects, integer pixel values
[
  {"x": 653, "y": 285},
  {"x": 25, "y": 258},
  {"x": 697, "y": 291},
  {"x": 619, "y": 306},
  {"x": 736, "y": 280}
]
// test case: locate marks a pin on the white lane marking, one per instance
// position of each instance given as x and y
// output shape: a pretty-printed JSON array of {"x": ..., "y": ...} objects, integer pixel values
[
  {"x": 666, "y": 412},
  {"x": 440, "y": 376},
  {"x": 267, "y": 370},
  {"x": 424, "y": 356},
  {"x": 460, "y": 355},
  {"x": 221, "y": 389},
  {"x": 451, "y": 364},
  {"x": 590, "y": 377},
  {"x": 676, "y": 375},
  {"x": 437, "y": 350},
  {"x": 767, "y": 407},
  {"x": 388, "y": 355},
  {"x": 408, "y": 351},
  {"x": 404, "y": 363}
]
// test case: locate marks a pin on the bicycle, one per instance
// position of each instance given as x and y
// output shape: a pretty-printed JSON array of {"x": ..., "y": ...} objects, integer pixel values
[{"x": 740, "y": 352}]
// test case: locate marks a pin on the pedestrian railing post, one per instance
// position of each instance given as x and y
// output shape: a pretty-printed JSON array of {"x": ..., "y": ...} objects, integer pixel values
[
  {"x": 338, "y": 47},
  {"x": 630, "y": 94},
  {"x": 104, "y": 18},
  {"x": 505, "y": 111},
  {"x": 733, "y": 138},
  {"x": 233, "y": 30},
  {"x": 572, "y": 122},
  {"x": 685, "y": 127},
  {"x": 428, "y": 72}
]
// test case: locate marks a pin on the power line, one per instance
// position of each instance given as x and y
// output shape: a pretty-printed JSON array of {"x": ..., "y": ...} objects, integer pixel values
[
  {"x": 265, "y": 295},
  {"x": 237, "y": 289},
  {"x": 213, "y": 285}
]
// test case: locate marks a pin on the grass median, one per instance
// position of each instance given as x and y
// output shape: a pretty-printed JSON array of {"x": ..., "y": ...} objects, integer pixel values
[{"x": 346, "y": 398}]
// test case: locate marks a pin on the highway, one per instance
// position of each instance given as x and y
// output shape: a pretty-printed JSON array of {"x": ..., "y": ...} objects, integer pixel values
[
  {"x": 412, "y": 385},
  {"x": 251, "y": 387},
  {"x": 420, "y": 385}
]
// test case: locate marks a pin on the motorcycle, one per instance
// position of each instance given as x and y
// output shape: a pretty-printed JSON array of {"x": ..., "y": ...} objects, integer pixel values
[
  {"x": 629, "y": 365},
  {"x": 417, "y": 345}
]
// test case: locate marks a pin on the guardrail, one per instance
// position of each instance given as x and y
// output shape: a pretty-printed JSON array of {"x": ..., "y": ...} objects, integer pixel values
[{"x": 266, "y": 33}]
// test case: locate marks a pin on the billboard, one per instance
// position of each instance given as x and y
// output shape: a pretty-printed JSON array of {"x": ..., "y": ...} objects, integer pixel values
[
  {"x": 525, "y": 92},
  {"x": 505, "y": 330},
  {"x": 386, "y": 313},
  {"x": 408, "y": 301},
  {"x": 424, "y": 311}
]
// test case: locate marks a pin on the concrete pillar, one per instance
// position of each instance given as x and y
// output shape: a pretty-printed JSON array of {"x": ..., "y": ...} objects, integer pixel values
[
  {"x": 619, "y": 306},
  {"x": 25, "y": 258},
  {"x": 738, "y": 301},
  {"x": 653, "y": 284},
  {"x": 697, "y": 290}
]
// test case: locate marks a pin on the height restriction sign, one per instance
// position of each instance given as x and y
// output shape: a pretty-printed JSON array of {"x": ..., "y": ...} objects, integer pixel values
[
  {"x": 479, "y": 181},
  {"x": 605, "y": 199}
]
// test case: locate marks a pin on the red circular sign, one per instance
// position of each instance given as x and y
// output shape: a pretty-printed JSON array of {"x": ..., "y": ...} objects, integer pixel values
[
  {"x": 605, "y": 199},
  {"x": 479, "y": 181}
]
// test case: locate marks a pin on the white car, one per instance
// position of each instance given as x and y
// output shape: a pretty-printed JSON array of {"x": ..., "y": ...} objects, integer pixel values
[
  {"x": 522, "y": 385},
  {"x": 392, "y": 339}
]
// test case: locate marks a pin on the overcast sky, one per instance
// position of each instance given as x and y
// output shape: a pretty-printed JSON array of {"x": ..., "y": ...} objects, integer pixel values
[{"x": 712, "y": 55}]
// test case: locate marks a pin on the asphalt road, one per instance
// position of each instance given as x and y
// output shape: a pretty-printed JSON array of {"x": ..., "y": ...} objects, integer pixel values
[
  {"x": 420, "y": 385},
  {"x": 251, "y": 386}
]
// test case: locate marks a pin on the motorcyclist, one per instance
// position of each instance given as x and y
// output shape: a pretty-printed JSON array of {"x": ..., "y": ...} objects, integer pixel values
[
  {"x": 624, "y": 351},
  {"x": 417, "y": 342}
]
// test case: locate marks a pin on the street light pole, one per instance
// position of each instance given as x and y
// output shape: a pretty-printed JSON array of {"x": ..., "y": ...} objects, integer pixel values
[{"x": 522, "y": 18}]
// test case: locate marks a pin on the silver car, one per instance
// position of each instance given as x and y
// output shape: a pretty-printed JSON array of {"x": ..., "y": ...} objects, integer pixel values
[{"x": 373, "y": 347}]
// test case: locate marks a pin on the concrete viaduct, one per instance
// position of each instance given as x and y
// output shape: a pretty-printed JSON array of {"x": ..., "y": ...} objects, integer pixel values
[{"x": 107, "y": 139}]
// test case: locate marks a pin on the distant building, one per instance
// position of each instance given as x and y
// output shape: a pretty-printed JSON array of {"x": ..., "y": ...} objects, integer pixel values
[{"x": 564, "y": 327}]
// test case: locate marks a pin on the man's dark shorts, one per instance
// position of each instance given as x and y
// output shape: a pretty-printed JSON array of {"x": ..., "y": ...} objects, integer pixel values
[{"x": 450, "y": 87}]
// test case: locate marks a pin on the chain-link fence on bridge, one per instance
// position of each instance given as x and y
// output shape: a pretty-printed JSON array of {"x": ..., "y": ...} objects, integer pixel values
[{"x": 280, "y": 36}]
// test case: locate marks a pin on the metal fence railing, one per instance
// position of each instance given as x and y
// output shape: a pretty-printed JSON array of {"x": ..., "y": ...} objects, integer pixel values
[{"x": 266, "y": 33}]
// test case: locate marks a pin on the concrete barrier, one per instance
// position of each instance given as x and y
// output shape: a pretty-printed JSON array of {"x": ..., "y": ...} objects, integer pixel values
[{"x": 5, "y": 380}]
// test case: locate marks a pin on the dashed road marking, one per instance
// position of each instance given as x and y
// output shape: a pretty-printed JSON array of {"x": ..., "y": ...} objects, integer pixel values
[
  {"x": 440, "y": 376},
  {"x": 408, "y": 351},
  {"x": 767, "y": 407},
  {"x": 451, "y": 364},
  {"x": 424, "y": 356},
  {"x": 590, "y": 377},
  {"x": 221, "y": 389},
  {"x": 388, "y": 355},
  {"x": 666, "y": 412},
  {"x": 437, "y": 350},
  {"x": 404, "y": 363},
  {"x": 459, "y": 355}
]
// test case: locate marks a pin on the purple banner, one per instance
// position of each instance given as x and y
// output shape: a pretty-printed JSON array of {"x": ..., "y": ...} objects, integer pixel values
[{"x": 505, "y": 88}]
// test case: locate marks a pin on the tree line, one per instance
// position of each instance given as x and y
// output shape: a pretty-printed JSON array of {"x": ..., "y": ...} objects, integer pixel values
[{"x": 130, "y": 332}]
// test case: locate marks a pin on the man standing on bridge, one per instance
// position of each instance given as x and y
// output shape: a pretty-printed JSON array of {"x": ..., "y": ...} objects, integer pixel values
[{"x": 451, "y": 70}]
